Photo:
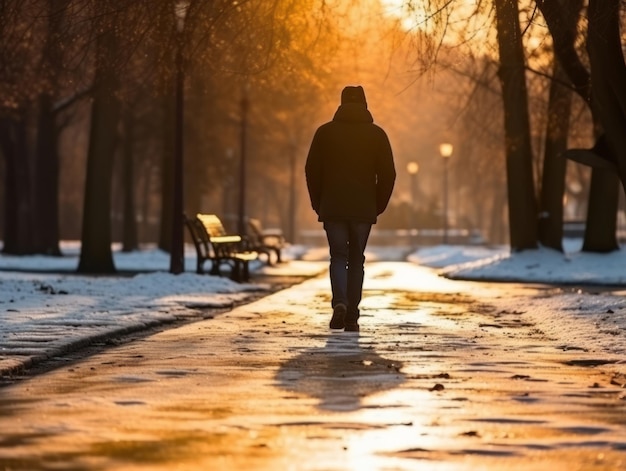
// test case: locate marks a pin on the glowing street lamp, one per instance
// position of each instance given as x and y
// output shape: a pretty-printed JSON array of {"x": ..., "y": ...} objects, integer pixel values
[
  {"x": 413, "y": 168},
  {"x": 445, "y": 150}
]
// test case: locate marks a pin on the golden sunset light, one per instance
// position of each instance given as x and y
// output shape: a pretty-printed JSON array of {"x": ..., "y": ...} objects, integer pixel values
[
  {"x": 413, "y": 16},
  {"x": 305, "y": 235}
]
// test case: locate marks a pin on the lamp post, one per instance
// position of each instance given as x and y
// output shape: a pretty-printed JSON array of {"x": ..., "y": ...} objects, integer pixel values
[
  {"x": 241, "y": 221},
  {"x": 227, "y": 182},
  {"x": 292, "y": 190},
  {"x": 445, "y": 150},
  {"x": 177, "y": 251},
  {"x": 413, "y": 168}
]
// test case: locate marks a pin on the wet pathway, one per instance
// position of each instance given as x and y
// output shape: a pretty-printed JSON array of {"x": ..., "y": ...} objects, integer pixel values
[{"x": 443, "y": 376}]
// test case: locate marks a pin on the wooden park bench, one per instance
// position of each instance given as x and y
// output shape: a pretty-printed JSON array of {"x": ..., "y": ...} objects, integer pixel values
[
  {"x": 266, "y": 241},
  {"x": 213, "y": 243}
]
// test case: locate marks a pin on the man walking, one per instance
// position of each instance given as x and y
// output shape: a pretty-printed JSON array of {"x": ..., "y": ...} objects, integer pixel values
[{"x": 350, "y": 176}]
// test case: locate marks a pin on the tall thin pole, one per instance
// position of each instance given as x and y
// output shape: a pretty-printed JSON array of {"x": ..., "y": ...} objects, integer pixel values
[
  {"x": 445, "y": 200},
  {"x": 413, "y": 208},
  {"x": 241, "y": 223},
  {"x": 177, "y": 252},
  {"x": 445, "y": 149},
  {"x": 413, "y": 168},
  {"x": 292, "y": 195}
]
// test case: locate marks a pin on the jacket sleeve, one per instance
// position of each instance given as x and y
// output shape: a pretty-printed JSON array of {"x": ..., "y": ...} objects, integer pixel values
[
  {"x": 313, "y": 172},
  {"x": 385, "y": 174}
]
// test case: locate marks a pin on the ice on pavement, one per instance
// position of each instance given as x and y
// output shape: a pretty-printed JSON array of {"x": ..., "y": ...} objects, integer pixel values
[{"x": 38, "y": 293}]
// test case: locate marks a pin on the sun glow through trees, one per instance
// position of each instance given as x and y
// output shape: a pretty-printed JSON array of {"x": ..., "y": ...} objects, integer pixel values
[
  {"x": 412, "y": 15},
  {"x": 455, "y": 22}
]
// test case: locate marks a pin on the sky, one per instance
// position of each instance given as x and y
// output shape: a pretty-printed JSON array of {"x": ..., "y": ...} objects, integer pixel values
[{"x": 41, "y": 296}]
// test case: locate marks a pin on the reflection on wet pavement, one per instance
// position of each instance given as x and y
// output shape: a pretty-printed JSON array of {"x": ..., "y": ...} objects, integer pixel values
[{"x": 340, "y": 374}]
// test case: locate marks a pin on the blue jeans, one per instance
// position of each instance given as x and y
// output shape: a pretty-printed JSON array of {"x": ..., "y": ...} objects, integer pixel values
[{"x": 347, "y": 241}]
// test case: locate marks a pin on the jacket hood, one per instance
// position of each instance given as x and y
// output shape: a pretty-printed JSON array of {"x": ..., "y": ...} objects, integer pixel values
[
  {"x": 353, "y": 112},
  {"x": 353, "y": 95}
]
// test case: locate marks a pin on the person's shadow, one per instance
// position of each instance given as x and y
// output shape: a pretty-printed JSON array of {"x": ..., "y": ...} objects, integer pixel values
[{"x": 340, "y": 374}]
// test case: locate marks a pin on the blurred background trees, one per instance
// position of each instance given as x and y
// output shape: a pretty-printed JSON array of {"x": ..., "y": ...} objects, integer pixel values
[{"x": 87, "y": 116}]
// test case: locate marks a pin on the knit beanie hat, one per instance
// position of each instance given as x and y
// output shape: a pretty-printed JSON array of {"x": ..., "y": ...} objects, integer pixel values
[{"x": 353, "y": 95}]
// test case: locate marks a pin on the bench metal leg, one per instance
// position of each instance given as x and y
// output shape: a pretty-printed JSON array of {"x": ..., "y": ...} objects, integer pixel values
[
  {"x": 246, "y": 271},
  {"x": 215, "y": 267},
  {"x": 240, "y": 271},
  {"x": 235, "y": 273}
]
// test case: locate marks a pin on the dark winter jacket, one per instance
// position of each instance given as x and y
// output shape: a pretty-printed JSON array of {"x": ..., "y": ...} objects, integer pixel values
[{"x": 349, "y": 170}]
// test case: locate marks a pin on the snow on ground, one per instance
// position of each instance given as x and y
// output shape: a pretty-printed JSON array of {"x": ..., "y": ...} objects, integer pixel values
[
  {"x": 589, "y": 312},
  {"x": 537, "y": 266},
  {"x": 37, "y": 292}
]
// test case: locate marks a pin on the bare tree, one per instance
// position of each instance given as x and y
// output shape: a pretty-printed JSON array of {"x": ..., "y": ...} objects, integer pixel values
[
  {"x": 521, "y": 194},
  {"x": 17, "y": 66},
  {"x": 600, "y": 234},
  {"x": 46, "y": 180},
  {"x": 37, "y": 41},
  {"x": 608, "y": 78},
  {"x": 96, "y": 255},
  {"x": 550, "y": 228}
]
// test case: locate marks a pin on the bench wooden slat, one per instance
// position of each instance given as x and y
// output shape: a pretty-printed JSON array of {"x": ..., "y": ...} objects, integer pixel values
[
  {"x": 226, "y": 239},
  {"x": 213, "y": 243},
  {"x": 265, "y": 241}
]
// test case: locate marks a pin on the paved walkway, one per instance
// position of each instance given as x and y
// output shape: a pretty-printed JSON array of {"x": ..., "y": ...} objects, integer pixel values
[
  {"x": 443, "y": 376},
  {"x": 47, "y": 317}
]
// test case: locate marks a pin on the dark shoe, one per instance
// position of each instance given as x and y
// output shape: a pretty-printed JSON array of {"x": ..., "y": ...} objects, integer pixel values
[
  {"x": 339, "y": 314},
  {"x": 352, "y": 327},
  {"x": 351, "y": 320}
]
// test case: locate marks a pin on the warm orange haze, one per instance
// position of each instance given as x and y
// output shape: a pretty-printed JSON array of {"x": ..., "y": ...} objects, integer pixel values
[
  {"x": 369, "y": 210},
  {"x": 216, "y": 105}
]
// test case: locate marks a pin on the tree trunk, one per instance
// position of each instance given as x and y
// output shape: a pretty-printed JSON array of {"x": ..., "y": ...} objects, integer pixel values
[
  {"x": 146, "y": 233},
  {"x": 562, "y": 18},
  {"x": 17, "y": 204},
  {"x": 129, "y": 233},
  {"x": 46, "y": 179},
  {"x": 608, "y": 76},
  {"x": 167, "y": 169},
  {"x": 606, "y": 61},
  {"x": 46, "y": 168},
  {"x": 165, "y": 22},
  {"x": 96, "y": 255},
  {"x": 9, "y": 152},
  {"x": 18, "y": 233},
  {"x": 554, "y": 165},
  {"x": 522, "y": 204},
  {"x": 601, "y": 228}
]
